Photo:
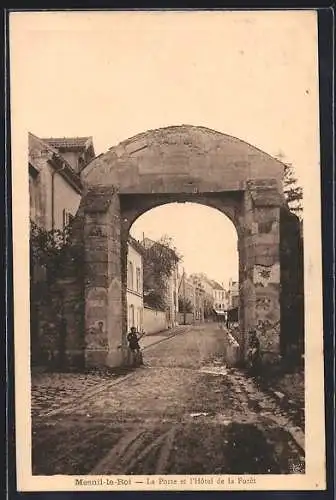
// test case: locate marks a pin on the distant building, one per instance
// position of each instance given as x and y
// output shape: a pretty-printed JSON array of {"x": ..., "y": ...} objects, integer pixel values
[
  {"x": 220, "y": 298},
  {"x": 186, "y": 289},
  {"x": 199, "y": 302},
  {"x": 233, "y": 294},
  {"x": 135, "y": 305},
  {"x": 214, "y": 294},
  {"x": 193, "y": 293},
  {"x": 203, "y": 284}
]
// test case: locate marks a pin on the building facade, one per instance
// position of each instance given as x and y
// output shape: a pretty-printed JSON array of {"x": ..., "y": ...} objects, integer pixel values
[
  {"x": 233, "y": 294},
  {"x": 135, "y": 304},
  {"x": 186, "y": 293},
  {"x": 55, "y": 188},
  {"x": 220, "y": 298},
  {"x": 191, "y": 292},
  {"x": 204, "y": 285}
]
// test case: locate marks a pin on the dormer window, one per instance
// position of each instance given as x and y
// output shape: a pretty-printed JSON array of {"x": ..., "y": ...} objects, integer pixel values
[{"x": 81, "y": 163}]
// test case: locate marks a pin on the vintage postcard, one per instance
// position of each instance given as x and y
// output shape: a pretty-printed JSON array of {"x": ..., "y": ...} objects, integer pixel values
[{"x": 167, "y": 250}]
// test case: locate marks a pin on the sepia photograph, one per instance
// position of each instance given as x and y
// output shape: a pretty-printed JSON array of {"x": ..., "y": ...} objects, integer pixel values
[{"x": 167, "y": 250}]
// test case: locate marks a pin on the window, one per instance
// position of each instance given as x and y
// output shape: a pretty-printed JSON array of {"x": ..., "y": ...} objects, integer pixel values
[
  {"x": 80, "y": 163},
  {"x": 130, "y": 275},
  {"x": 67, "y": 218},
  {"x": 141, "y": 318},
  {"x": 33, "y": 193},
  {"x": 138, "y": 280},
  {"x": 139, "y": 325},
  {"x": 131, "y": 316}
]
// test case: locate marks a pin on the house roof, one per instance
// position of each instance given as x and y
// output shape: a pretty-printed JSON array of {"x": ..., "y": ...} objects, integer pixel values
[
  {"x": 68, "y": 142},
  {"x": 216, "y": 285},
  {"x": 82, "y": 145},
  {"x": 136, "y": 244},
  {"x": 203, "y": 278},
  {"x": 55, "y": 159}
]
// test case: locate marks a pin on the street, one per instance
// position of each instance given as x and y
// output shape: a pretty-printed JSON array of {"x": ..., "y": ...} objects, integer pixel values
[{"x": 184, "y": 412}]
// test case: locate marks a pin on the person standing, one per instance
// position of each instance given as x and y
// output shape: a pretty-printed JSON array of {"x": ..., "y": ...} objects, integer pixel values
[
  {"x": 254, "y": 356},
  {"x": 133, "y": 343}
]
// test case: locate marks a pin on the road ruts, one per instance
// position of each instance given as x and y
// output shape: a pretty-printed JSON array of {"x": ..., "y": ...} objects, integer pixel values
[{"x": 184, "y": 413}]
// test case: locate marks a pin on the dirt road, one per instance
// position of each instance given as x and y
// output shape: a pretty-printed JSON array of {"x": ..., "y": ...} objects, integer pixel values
[{"x": 183, "y": 413}]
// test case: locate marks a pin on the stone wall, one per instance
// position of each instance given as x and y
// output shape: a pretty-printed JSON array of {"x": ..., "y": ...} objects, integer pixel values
[
  {"x": 58, "y": 303},
  {"x": 189, "y": 318},
  {"x": 292, "y": 284},
  {"x": 154, "y": 321}
]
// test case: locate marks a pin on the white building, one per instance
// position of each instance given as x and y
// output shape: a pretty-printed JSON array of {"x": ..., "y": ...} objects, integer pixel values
[
  {"x": 135, "y": 305},
  {"x": 220, "y": 297},
  {"x": 233, "y": 294}
]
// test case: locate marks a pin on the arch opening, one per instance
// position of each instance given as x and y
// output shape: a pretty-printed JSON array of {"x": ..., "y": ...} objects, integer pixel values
[{"x": 201, "y": 285}]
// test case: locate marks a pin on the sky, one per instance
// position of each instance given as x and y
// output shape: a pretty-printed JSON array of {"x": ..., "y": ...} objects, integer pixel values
[
  {"x": 205, "y": 238},
  {"x": 113, "y": 75}
]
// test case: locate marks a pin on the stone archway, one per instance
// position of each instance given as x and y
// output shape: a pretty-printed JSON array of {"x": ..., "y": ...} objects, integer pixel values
[{"x": 182, "y": 163}]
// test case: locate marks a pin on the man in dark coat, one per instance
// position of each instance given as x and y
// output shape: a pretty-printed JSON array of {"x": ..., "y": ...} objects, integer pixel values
[
  {"x": 254, "y": 352},
  {"x": 133, "y": 343}
]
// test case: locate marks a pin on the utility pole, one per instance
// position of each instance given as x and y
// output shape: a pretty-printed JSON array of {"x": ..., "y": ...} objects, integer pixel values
[{"x": 184, "y": 300}]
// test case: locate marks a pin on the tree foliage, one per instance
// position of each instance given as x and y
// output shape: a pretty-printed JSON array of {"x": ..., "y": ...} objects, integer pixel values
[
  {"x": 185, "y": 305},
  {"x": 208, "y": 306},
  {"x": 292, "y": 191},
  {"x": 52, "y": 250},
  {"x": 159, "y": 261}
]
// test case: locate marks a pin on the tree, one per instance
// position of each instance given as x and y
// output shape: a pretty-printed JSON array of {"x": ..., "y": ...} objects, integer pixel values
[
  {"x": 54, "y": 254},
  {"x": 185, "y": 305},
  {"x": 46, "y": 245},
  {"x": 159, "y": 261},
  {"x": 52, "y": 250},
  {"x": 208, "y": 306},
  {"x": 293, "y": 193}
]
